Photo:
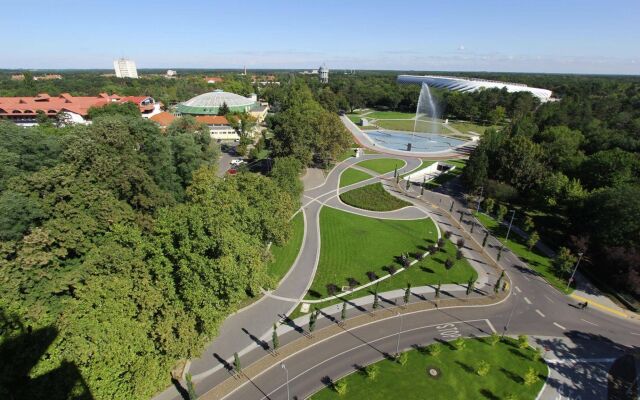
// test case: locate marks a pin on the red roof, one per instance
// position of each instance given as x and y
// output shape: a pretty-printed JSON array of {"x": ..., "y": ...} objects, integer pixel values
[
  {"x": 28, "y": 106},
  {"x": 215, "y": 79},
  {"x": 212, "y": 119},
  {"x": 163, "y": 118}
]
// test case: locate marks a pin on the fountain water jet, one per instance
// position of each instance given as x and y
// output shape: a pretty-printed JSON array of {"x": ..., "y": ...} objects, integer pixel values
[{"x": 426, "y": 107}]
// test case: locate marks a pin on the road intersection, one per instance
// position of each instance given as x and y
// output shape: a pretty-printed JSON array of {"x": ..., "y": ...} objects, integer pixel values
[{"x": 532, "y": 307}]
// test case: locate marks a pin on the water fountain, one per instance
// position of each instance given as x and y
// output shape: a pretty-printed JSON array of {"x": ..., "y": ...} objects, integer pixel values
[
  {"x": 424, "y": 138},
  {"x": 426, "y": 108}
]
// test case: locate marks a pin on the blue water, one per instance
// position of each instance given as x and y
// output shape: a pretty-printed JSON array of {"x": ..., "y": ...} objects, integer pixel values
[{"x": 421, "y": 142}]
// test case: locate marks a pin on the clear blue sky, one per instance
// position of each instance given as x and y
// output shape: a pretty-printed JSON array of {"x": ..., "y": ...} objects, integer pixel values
[{"x": 582, "y": 36}]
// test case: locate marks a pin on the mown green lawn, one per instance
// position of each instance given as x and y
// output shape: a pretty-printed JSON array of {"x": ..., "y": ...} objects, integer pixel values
[
  {"x": 353, "y": 244},
  {"x": 382, "y": 165},
  {"x": 409, "y": 125},
  {"x": 351, "y": 175},
  {"x": 373, "y": 197},
  {"x": 536, "y": 260},
  {"x": 348, "y": 153},
  {"x": 285, "y": 255},
  {"x": 429, "y": 271},
  {"x": 390, "y": 115},
  {"x": 458, "y": 378},
  {"x": 468, "y": 127}
]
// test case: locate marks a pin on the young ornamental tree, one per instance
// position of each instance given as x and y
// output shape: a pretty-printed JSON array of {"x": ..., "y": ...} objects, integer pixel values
[
  {"x": 275, "y": 341},
  {"x": 532, "y": 240}
]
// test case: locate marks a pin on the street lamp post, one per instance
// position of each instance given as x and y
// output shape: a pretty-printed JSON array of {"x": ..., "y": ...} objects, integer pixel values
[
  {"x": 287, "y": 374},
  {"x": 513, "y": 214},
  {"x": 510, "y": 315},
  {"x": 574, "y": 270},
  {"x": 399, "y": 332}
]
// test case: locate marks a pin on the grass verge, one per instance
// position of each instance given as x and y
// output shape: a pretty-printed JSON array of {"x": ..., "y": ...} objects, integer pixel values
[
  {"x": 373, "y": 197},
  {"x": 350, "y": 176},
  {"x": 539, "y": 262},
  {"x": 458, "y": 378},
  {"x": 382, "y": 165},
  {"x": 352, "y": 245},
  {"x": 285, "y": 255}
]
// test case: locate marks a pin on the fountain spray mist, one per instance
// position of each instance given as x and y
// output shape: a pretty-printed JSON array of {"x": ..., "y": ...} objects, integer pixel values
[{"x": 426, "y": 107}]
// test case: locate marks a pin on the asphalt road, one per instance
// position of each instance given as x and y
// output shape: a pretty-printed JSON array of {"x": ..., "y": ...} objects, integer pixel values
[{"x": 533, "y": 308}]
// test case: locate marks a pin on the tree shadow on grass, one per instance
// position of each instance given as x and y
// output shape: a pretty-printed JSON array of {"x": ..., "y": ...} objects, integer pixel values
[
  {"x": 466, "y": 367},
  {"x": 511, "y": 375},
  {"x": 519, "y": 353},
  {"x": 488, "y": 394}
]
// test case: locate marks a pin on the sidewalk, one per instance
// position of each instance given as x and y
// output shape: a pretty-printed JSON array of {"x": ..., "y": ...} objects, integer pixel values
[
  {"x": 585, "y": 290},
  {"x": 331, "y": 327}
]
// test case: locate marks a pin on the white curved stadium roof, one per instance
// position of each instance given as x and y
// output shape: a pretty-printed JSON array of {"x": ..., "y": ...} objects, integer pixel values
[
  {"x": 471, "y": 85},
  {"x": 217, "y": 98}
]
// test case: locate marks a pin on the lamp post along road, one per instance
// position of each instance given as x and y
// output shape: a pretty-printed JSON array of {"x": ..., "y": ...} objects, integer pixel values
[
  {"x": 506, "y": 327},
  {"x": 513, "y": 214},
  {"x": 574, "y": 270},
  {"x": 286, "y": 371}
]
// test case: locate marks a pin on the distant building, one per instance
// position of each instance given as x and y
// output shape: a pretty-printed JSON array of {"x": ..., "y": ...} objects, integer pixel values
[
  {"x": 125, "y": 68},
  {"x": 219, "y": 127},
  {"x": 459, "y": 84},
  {"x": 46, "y": 77},
  {"x": 209, "y": 104},
  {"x": 213, "y": 79},
  {"x": 323, "y": 74},
  {"x": 171, "y": 73},
  {"x": 24, "y": 110}
]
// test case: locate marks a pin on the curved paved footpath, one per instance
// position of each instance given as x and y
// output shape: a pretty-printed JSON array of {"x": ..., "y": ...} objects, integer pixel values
[
  {"x": 580, "y": 345},
  {"x": 242, "y": 331}
]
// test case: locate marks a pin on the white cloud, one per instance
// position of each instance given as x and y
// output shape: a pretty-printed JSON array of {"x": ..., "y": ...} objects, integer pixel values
[{"x": 461, "y": 47}]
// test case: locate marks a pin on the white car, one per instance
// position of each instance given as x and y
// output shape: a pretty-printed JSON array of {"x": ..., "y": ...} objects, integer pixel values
[{"x": 237, "y": 162}]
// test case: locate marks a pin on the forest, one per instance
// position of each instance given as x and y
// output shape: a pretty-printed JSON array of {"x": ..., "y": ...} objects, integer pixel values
[{"x": 122, "y": 251}]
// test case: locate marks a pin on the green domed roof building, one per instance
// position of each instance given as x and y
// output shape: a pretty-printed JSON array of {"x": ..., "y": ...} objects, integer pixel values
[{"x": 209, "y": 103}]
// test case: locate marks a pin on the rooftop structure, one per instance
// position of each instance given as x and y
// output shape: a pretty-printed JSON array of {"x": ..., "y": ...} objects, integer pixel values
[
  {"x": 45, "y": 77},
  {"x": 125, "y": 68},
  {"x": 472, "y": 84},
  {"x": 213, "y": 79},
  {"x": 209, "y": 103},
  {"x": 171, "y": 73},
  {"x": 324, "y": 74},
  {"x": 219, "y": 127},
  {"x": 25, "y": 109}
]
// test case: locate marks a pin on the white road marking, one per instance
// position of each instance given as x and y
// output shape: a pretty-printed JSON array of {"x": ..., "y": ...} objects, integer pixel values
[
  {"x": 633, "y": 333},
  {"x": 591, "y": 323},
  {"x": 526, "y": 300},
  {"x": 524, "y": 276},
  {"x": 559, "y": 326},
  {"x": 518, "y": 290},
  {"x": 540, "y": 313},
  {"x": 333, "y": 357},
  {"x": 548, "y": 298},
  {"x": 491, "y": 326}
]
